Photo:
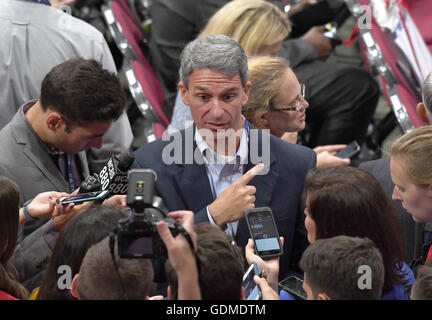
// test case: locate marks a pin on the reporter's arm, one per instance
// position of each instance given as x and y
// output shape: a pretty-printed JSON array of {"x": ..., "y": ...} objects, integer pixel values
[
  {"x": 61, "y": 220},
  {"x": 269, "y": 266},
  {"x": 22, "y": 218},
  {"x": 118, "y": 201},
  {"x": 322, "y": 44},
  {"x": 43, "y": 205},
  {"x": 300, "y": 6},
  {"x": 326, "y": 156},
  {"x": 31, "y": 255},
  {"x": 181, "y": 256},
  {"x": 267, "y": 292}
]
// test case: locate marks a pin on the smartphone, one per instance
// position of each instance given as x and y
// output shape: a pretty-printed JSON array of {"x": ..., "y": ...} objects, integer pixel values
[
  {"x": 264, "y": 233},
  {"x": 294, "y": 286},
  {"x": 79, "y": 198},
  {"x": 252, "y": 290},
  {"x": 349, "y": 151},
  {"x": 330, "y": 31}
]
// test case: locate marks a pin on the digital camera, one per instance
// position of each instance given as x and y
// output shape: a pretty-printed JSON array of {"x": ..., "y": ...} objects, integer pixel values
[{"x": 137, "y": 235}]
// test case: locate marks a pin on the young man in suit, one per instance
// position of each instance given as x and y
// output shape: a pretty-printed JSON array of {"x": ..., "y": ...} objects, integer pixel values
[
  {"x": 213, "y": 167},
  {"x": 46, "y": 139}
]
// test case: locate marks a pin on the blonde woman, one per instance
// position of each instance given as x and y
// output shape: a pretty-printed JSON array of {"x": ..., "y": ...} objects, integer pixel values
[
  {"x": 411, "y": 172},
  {"x": 277, "y": 102},
  {"x": 259, "y": 27}
]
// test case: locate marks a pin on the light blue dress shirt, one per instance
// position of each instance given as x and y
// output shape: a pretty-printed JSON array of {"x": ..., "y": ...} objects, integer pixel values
[
  {"x": 222, "y": 170},
  {"x": 181, "y": 115}
]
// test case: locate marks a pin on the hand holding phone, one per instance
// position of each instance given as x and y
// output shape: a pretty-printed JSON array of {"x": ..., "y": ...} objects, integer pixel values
[
  {"x": 252, "y": 290},
  {"x": 350, "y": 151},
  {"x": 84, "y": 197},
  {"x": 315, "y": 36},
  {"x": 269, "y": 267},
  {"x": 264, "y": 233},
  {"x": 331, "y": 33},
  {"x": 294, "y": 286}
]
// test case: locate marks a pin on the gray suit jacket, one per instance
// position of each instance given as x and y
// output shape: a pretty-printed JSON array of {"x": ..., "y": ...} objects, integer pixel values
[
  {"x": 413, "y": 231},
  {"x": 25, "y": 161},
  {"x": 31, "y": 256}
]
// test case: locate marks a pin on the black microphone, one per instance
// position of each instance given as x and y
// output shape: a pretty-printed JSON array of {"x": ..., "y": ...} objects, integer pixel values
[
  {"x": 125, "y": 161},
  {"x": 112, "y": 177},
  {"x": 90, "y": 184}
]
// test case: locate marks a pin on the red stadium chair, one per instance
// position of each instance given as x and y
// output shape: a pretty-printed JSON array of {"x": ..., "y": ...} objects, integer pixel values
[
  {"x": 148, "y": 95},
  {"x": 420, "y": 11},
  {"x": 159, "y": 130},
  {"x": 124, "y": 29},
  {"x": 144, "y": 85},
  {"x": 398, "y": 88},
  {"x": 152, "y": 90}
]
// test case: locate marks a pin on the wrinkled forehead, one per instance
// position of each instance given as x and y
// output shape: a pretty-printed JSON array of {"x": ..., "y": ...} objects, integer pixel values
[{"x": 203, "y": 78}]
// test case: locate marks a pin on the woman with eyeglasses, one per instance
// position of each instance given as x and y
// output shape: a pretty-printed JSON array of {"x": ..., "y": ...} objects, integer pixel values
[
  {"x": 277, "y": 102},
  {"x": 258, "y": 26}
]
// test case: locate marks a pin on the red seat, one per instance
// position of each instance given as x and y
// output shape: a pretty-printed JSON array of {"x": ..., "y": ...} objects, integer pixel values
[
  {"x": 125, "y": 7},
  {"x": 420, "y": 12},
  {"x": 130, "y": 29},
  {"x": 149, "y": 93},
  {"x": 152, "y": 89},
  {"x": 159, "y": 130},
  {"x": 406, "y": 95}
]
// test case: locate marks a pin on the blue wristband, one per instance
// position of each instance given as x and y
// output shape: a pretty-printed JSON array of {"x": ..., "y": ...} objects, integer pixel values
[{"x": 26, "y": 213}]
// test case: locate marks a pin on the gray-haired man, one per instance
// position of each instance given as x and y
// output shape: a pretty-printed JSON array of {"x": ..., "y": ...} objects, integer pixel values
[{"x": 215, "y": 173}]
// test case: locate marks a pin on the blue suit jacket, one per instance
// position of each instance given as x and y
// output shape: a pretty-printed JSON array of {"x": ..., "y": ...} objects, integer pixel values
[{"x": 186, "y": 187}]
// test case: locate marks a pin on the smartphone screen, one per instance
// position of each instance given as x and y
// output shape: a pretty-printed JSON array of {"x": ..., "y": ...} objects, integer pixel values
[
  {"x": 264, "y": 232},
  {"x": 294, "y": 286},
  {"x": 252, "y": 291},
  {"x": 351, "y": 150},
  {"x": 78, "y": 198}
]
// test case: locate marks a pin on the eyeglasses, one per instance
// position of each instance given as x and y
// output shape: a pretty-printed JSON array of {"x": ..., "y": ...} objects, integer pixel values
[{"x": 298, "y": 105}]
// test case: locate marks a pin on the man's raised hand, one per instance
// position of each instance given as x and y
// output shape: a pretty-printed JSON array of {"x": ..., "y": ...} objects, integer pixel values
[{"x": 236, "y": 199}]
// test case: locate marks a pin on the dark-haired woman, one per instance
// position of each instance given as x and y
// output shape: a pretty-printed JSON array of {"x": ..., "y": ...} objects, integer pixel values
[
  {"x": 349, "y": 201},
  {"x": 11, "y": 216}
]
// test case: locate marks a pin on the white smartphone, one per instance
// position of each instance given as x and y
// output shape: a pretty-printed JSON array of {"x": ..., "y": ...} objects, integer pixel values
[{"x": 252, "y": 290}]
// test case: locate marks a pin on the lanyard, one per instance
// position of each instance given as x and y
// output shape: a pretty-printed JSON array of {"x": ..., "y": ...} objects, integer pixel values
[{"x": 70, "y": 173}]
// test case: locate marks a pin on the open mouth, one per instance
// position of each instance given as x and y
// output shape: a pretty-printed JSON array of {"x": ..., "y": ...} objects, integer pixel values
[{"x": 215, "y": 126}]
